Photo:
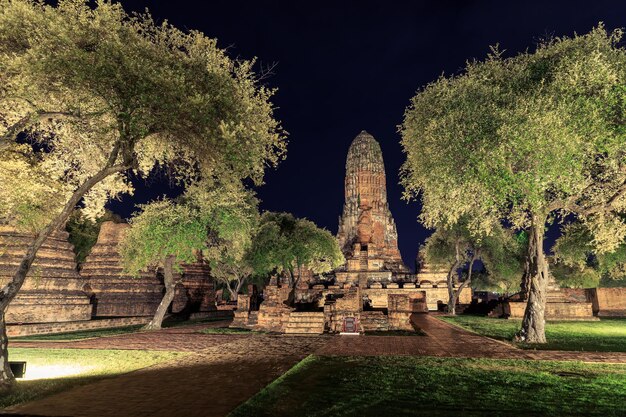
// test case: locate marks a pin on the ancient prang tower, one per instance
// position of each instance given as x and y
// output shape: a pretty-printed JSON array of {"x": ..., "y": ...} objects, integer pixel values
[{"x": 367, "y": 232}]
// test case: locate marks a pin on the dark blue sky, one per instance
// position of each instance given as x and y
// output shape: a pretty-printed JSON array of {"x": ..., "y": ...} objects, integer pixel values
[{"x": 342, "y": 68}]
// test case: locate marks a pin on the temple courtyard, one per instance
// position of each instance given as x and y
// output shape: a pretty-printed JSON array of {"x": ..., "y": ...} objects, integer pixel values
[{"x": 208, "y": 369}]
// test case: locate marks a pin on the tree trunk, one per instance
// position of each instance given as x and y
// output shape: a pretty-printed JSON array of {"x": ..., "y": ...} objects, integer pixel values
[
  {"x": 291, "y": 299},
  {"x": 168, "y": 297},
  {"x": 465, "y": 283},
  {"x": 10, "y": 290},
  {"x": 7, "y": 379},
  {"x": 450, "y": 282},
  {"x": 237, "y": 288},
  {"x": 533, "y": 323}
]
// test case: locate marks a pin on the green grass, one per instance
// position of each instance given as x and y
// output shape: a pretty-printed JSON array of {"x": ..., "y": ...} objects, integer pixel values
[
  {"x": 49, "y": 371},
  {"x": 417, "y": 332},
  {"x": 424, "y": 386},
  {"x": 606, "y": 335},
  {"x": 90, "y": 334},
  {"x": 226, "y": 330}
]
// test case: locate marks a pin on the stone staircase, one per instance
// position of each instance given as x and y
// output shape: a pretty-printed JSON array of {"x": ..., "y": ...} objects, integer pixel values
[{"x": 305, "y": 323}]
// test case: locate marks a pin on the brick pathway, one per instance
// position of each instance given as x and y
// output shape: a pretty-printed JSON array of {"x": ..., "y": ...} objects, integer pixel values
[
  {"x": 225, "y": 370},
  {"x": 446, "y": 340},
  {"x": 211, "y": 382}
]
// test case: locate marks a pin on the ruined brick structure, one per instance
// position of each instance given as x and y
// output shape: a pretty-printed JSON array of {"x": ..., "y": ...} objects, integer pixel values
[
  {"x": 53, "y": 291},
  {"x": 115, "y": 293},
  {"x": 367, "y": 232},
  {"x": 374, "y": 289},
  {"x": 196, "y": 292}
]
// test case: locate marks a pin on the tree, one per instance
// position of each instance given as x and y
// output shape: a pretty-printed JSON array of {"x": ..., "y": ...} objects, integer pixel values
[
  {"x": 98, "y": 93},
  {"x": 233, "y": 225},
  {"x": 456, "y": 248},
  {"x": 579, "y": 264},
  {"x": 164, "y": 234},
  {"x": 523, "y": 140},
  {"x": 285, "y": 244}
]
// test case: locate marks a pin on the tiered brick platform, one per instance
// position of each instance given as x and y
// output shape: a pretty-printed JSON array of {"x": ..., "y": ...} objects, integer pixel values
[
  {"x": 53, "y": 290},
  {"x": 305, "y": 323},
  {"x": 117, "y": 294}
]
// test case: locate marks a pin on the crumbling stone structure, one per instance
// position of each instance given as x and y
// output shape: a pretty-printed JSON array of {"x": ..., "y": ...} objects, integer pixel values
[
  {"x": 374, "y": 290},
  {"x": 367, "y": 232},
  {"x": 116, "y": 294},
  {"x": 53, "y": 290}
]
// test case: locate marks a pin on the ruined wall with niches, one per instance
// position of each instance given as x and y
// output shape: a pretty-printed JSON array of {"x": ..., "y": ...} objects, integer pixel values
[
  {"x": 115, "y": 293},
  {"x": 608, "y": 302},
  {"x": 196, "y": 291},
  {"x": 53, "y": 291}
]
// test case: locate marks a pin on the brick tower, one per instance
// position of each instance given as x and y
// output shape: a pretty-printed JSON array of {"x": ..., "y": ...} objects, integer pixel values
[{"x": 367, "y": 232}]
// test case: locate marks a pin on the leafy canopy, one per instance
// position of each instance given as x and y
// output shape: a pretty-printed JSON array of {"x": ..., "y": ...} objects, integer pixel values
[
  {"x": 284, "y": 243},
  {"x": 512, "y": 138},
  {"x": 162, "y": 229},
  {"x": 95, "y": 87}
]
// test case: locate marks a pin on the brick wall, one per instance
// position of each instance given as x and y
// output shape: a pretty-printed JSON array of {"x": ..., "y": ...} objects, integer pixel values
[{"x": 15, "y": 330}]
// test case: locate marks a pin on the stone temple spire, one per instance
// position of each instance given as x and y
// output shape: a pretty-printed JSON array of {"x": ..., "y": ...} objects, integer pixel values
[{"x": 367, "y": 228}]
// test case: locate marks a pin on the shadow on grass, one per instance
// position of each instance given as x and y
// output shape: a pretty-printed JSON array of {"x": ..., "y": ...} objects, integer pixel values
[{"x": 409, "y": 386}]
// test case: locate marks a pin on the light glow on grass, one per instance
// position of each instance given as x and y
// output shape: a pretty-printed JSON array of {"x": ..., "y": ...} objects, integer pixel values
[
  {"x": 53, "y": 370},
  {"x": 36, "y": 372}
]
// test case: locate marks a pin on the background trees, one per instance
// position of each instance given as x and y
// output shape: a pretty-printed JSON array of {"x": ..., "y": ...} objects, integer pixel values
[
  {"x": 285, "y": 244},
  {"x": 97, "y": 93},
  {"x": 525, "y": 139},
  {"x": 164, "y": 234},
  {"x": 457, "y": 248}
]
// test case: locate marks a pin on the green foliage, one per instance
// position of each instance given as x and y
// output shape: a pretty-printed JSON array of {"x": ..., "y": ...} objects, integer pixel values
[
  {"x": 84, "y": 232},
  {"x": 578, "y": 263},
  {"x": 512, "y": 138},
  {"x": 500, "y": 252},
  {"x": 95, "y": 87},
  {"x": 606, "y": 335},
  {"x": 163, "y": 228},
  {"x": 284, "y": 243},
  {"x": 402, "y": 385}
]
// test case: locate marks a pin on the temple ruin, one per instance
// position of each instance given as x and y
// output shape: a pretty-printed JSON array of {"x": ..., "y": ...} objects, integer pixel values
[
  {"x": 53, "y": 290},
  {"x": 373, "y": 290}
]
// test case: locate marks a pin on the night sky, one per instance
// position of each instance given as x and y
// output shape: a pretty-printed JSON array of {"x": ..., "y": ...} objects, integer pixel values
[{"x": 344, "y": 68}]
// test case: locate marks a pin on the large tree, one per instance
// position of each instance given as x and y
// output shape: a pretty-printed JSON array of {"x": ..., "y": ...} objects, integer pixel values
[
  {"x": 286, "y": 244},
  {"x": 524, "y": 139},
  {"x": 98, "y": 93},
  {"x": 164, "y": 234}
]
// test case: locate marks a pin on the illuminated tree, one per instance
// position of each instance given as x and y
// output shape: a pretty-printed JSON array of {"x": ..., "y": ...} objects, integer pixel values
[
  {"x": 456, "y": 247},
  {"x": 286, "y": 244},
  {"x": 96, "y": 94},
  {"x": 164, "y": 234},
  {"x": 522, "y": 140}
]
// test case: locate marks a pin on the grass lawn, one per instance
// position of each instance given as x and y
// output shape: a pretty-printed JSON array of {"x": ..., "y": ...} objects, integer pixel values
[
  {"x": 409, "y": 386},
  {"x": 226, "y": 330},
  {"x": 53, "y": 370},
  {"x": 606, "y": 335},
  {"x": 418, "y": 332}
]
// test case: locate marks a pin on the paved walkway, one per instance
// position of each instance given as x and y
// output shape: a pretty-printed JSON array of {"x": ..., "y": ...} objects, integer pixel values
[
  {"x": 225, "y": 370},
  {"x": 446, "y": 340}
]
